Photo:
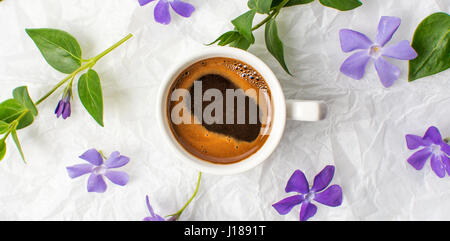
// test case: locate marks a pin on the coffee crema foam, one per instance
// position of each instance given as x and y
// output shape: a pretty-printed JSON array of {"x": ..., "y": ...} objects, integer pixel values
[{"x": 234, "y": 137}]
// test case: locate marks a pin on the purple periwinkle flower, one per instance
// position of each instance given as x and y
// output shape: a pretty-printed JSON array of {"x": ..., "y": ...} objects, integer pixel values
[
  {"x": 162, "y": 12},
  {"x": 153, "y": 216},
  {"x": 433, "y": 146},
  {"x": 63, "y": 107},
  {"x": 355, "y": 65},
  {"x": 97, "y": 168},
  {"x": 331, "y": 196}
]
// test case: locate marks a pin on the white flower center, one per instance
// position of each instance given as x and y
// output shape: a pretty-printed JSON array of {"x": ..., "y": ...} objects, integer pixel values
[
  {"x": 375, "y": 51},
  {"x": 436, "y": 149},
  {"x": 310, "y": 196},
  {"x": 99, "y": 170}
]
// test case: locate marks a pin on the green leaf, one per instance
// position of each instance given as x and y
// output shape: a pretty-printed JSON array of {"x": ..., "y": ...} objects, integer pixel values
[
  {"x": 59, "y": 48},
  {"x": 10, "y": 110},
  {"x": 25, "y": 121},
  {"x": 261, "y": 6},
  {"x": 90, "y": 92},
  {"x": 21, "y": 94},
  {"x": 343, "y": 5},
  {"x": 274, "y": 44},
  {"x": 17, "y": 142},
  {"x": 227, "y": 38},
  {"x": 276, "y": 3},
  {"x": 243, "y": 25},
  {"x": 4, "y": 127},
  {"x": 2, "y": 149},
  {"x": 241, "y": 43},
  {"x": 432, "y": 43}
]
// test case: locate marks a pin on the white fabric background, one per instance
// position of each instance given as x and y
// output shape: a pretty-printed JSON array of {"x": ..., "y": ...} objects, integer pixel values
[{"x": 363, "y": 135}]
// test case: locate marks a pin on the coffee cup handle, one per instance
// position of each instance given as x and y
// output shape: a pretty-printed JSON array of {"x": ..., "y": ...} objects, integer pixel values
[{"x": 305, "y": 110}]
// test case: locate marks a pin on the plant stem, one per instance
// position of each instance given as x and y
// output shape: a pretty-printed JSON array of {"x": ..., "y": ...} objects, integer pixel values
[
  {"x": 96, "y": 58},
  {"x": 89, "y": 63},
  {"x": 273, "y": 14},
  {"x": 101, "y": 154},
  {"x": 57, "y": 86},
  {"x": 178, "y": 214},
  {"x": 447, "y": 140},
  {"x": 264, "y": 21},
  {"x": 5, "y": 136}
]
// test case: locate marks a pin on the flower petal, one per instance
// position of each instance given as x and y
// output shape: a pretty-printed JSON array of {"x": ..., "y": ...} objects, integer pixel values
[
  {"x": 332, "y": 196},
  {"x": 67, "y": 111},
  {"x": 119, "y": 178},
  {"x": 59, "y": 109},
  {"x": 93, "y": 157},
  {"x": 297, "y": 183},
  {"x": 433, "y": 135},
  {"x": 387, "y": 72},
  {"x": 285, "y": 206},
  {"x": 307, "y": 211},
  {"x": 155, "y": 218},
  {"x": 445, "y": 148},
  {"x": 401, "y": 50},
  {"x": 355, "y": 65},
  {"x": 79, "y": 170},
  {"x": 446, "y": 161},
  {"x": 418, "y": 159},
  {"x": 437, "y": 165},
  {"x": 144, "y": 2},
  {"x": 323, "y": 179},
  {"x": 351, "y": 40},
  {"x": 413, "y": 142},
  {"x": 162, "y": 14},
  {"x": 182, "y": 8},
  {"x": 96, "y": 183},
  {"x": 115, "y": 160},
  {"x": 387, "y": 28},
  {"x": 149, "y": 207}
]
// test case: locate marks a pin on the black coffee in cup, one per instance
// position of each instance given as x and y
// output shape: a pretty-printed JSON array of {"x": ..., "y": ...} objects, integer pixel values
[{"x": 220, "y": 110}]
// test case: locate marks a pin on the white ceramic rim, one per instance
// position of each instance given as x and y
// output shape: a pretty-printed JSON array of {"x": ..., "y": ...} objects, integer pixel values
[{"x": 279, "y": 112}]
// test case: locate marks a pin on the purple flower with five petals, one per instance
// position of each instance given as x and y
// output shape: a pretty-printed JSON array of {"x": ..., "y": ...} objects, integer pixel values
[
  {"x": 63, "y": 107},
  {"x": 97, "y": 168},
  {"x": 434, "y": 147},
  {"x": 355, "y": 65},
  {"x": 162, "y": 11},
  {"x": 331, "y": 196}
]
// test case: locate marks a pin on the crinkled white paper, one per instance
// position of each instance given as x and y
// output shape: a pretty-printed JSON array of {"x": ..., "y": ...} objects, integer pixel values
[{"x": 363, "y": 136}]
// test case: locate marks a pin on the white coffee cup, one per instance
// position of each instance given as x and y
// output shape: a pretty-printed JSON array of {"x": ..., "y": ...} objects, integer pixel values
[{"x": 300, "y": 110}]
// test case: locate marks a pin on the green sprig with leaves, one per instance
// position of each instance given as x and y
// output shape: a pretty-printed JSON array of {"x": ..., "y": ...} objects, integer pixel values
[
  {"x": 61, "y": 51},
  {"x": 242, "y": 35}
]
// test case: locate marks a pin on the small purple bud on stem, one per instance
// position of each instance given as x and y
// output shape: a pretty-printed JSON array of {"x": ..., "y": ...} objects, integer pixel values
[{"x": 63, "y": 108}]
